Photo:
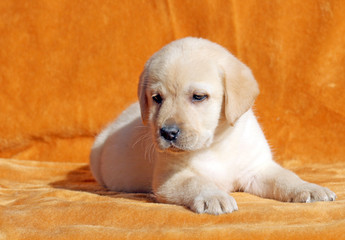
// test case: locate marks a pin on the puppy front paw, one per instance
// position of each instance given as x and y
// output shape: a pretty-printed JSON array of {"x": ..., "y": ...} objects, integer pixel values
[
  {"x": 309, "y": 192},
  {"x": 214, "y": 202}
]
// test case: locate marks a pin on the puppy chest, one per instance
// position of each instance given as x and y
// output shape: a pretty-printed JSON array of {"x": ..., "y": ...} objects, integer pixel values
[{"x": 215, "y": 170}]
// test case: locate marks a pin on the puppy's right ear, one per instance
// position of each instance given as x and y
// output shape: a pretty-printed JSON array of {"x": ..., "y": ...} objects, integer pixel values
[
  {"x": 241, "y": 88},
  {"x": 142, "y": 97}
]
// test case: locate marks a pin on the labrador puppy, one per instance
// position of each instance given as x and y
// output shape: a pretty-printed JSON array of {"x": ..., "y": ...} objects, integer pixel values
[{"x": 193, "y": 138}]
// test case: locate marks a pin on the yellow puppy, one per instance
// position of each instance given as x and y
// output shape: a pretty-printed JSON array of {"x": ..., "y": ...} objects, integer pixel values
[{"x": 193, "y": 138}]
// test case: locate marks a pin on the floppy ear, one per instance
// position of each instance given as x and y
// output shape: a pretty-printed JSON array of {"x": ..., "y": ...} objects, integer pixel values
[
  {"x": 142, "y": 97},
  {"x": 241, "y": 89}
]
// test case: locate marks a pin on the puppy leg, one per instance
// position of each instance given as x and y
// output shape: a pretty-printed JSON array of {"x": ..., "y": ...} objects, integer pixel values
[
  {"x": 281, "y": 184},
  {"x": 190, "y": 190}
]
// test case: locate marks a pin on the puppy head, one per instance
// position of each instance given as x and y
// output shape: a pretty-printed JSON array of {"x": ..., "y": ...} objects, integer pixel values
[{"x": 185, "y": 89}]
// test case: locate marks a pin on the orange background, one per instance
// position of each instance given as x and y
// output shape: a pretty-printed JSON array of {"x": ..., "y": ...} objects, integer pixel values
[{"x": 68, "y": 67}]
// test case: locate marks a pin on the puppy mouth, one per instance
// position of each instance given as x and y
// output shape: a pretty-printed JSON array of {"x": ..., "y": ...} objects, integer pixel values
[
  {"x": 170, "y": 147},
  {"x": 174, "y": 149}
]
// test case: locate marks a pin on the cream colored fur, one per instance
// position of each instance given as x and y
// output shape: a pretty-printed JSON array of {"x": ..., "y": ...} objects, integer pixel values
[{"x": 218, "y": 147}]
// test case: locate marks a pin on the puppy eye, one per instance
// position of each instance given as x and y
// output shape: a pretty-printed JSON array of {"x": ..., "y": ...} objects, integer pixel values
[
  {"x": 199, "y": 97},
  {"x": 157, "y": 98}
]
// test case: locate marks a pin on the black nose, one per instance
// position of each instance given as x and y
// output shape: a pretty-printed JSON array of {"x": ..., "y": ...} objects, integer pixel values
[{"x": 169, "y": 133}]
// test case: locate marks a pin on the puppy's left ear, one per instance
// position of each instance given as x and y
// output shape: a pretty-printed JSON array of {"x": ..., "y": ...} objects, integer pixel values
[
  {"x": 241, "y": 88},
  {"x": 143, "y": 102}
]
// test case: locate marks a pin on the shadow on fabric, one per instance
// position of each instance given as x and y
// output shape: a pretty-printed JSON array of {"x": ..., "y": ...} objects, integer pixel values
[{"x": 81, "y": 179}]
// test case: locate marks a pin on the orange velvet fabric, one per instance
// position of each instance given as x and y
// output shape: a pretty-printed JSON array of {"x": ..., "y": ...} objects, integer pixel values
[
  {"x": 51, "y": 200},
  {"x": 67, "y": 68}
]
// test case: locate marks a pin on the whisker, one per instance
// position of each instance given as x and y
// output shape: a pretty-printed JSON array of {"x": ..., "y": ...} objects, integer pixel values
[
  {"x": 145, "y": 136},
  {"x": 153, "y": 146},
  {"x": 145, "y": 154},
  {"x": 141, "y": 126},
  {"x": 146, "y": 139},
  {"x": 148, "y": 152},
  {"x": 142, "y": 137},
  {"x": 138, "y": 140}
]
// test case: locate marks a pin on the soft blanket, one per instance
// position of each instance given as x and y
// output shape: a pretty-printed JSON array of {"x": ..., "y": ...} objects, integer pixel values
[
  {"x": 49, "y": 200},
  {"x": 67, "y": 68}
]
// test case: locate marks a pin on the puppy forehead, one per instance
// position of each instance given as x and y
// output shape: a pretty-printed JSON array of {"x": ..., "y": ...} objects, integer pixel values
[{"x": 187, "y": 75}]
